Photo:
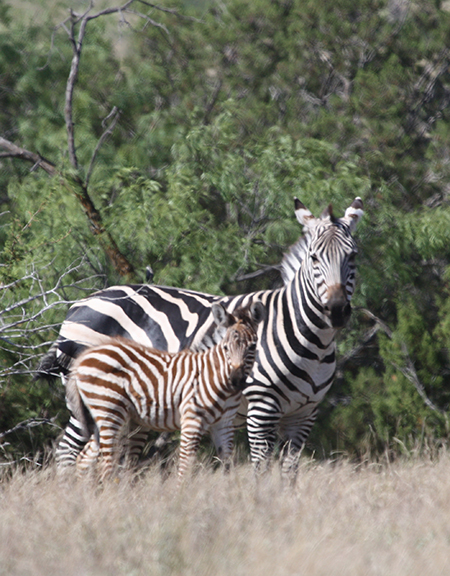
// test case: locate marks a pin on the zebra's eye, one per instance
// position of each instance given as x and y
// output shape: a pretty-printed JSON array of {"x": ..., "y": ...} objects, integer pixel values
[
  {"x": 225, "y": 347},
  {"x": 314, "y": 259}
]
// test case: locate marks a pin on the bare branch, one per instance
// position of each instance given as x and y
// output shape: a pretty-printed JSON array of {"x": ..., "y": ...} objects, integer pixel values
[
  {"x": 22, "y": 319},
  {"x": 357, "y": 349},
  {"x": 107, "y": 11},
  {"x": 150, "y": 21},
  {"x": 30, "y": 423},
  {"x": 70, "y": 86},
  {"x": 256, "y": 273},
  {"x": 121, "y": 264},
  {"x": 172, "y": 11},
  {"x": 107, "y": 242},
  {"x": 14, "y": 151},
  {"x": 408, "y": 370},
  {"x": 114, "y": 115},
  {"x": 77, "y": 44}
]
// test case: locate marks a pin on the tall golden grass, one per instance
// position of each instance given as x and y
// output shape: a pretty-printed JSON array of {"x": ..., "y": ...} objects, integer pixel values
[{"x": 338, "y": 519}]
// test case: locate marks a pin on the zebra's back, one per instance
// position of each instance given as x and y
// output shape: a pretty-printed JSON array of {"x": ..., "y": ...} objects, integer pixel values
[{"x": 145, "y": 384}]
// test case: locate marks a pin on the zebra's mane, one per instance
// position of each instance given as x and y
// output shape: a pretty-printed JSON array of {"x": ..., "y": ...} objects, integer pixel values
[{"x": 292, "y": 259}]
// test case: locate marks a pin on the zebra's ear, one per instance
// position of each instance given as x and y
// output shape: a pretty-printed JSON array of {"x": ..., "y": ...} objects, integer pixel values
[
  {"x": 328, "y": 213},
  {"x": 220, "y": 315},
  {"x": 354, "y": 213},
  {"x": 258, "y": 312},
  {"x": 304, "y": 216}
]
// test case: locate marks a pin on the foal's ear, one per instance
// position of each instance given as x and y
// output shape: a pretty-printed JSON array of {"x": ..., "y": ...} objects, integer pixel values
[
  {"x": 258, "y": 312},
  {"x": 220, "y": 315}
]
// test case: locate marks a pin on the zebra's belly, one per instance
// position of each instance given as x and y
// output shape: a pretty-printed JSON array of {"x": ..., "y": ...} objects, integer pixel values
[
  {"x": 223, "y": 411},
  {"x": 156, "y": 417}
]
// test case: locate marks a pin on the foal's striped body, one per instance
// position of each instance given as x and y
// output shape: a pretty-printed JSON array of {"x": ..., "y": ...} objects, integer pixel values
[{"x": 194, "y": 392}]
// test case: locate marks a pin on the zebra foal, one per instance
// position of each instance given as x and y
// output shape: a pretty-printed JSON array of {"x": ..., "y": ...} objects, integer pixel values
[{"x": 194, "y": 392}]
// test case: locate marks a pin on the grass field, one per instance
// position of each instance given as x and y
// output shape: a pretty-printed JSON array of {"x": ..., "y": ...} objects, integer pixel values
[{"x": 339, "y": 519}]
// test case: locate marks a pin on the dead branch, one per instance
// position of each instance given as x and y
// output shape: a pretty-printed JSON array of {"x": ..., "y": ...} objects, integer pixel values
[
  {"x": 408, "y": 370},
  {"x": 356, "y": 349},
  {"x": 77, "y": 44},
  {"x": 262, "y": 271},
  {"x": 114, "y": 115},
  {"x": 21, "y": 319},
  {"x": 14, "y": 151},
  {"x": 30, "y": 423},
  {"x": 78, "y": 188}
]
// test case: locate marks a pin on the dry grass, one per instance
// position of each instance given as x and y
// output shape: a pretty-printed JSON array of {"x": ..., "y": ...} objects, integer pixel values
[{"x": 338, "y": 520}]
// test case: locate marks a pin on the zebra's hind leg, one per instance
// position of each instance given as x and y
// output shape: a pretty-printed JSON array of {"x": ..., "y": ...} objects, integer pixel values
[
  {"x": 71, "y": 444},
  {"x": 191, "y": 433},
  {"x": 108, "y": 456},
  {"x": 101, "y": 453},
  {"x": 88, "y": 457}
]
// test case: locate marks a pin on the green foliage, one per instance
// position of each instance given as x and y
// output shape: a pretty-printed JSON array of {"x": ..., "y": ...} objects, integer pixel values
[{"x": 224, "y": 208}]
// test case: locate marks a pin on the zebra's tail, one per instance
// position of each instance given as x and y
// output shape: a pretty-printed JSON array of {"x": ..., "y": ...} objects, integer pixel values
[{"x": 52, "y": 366}]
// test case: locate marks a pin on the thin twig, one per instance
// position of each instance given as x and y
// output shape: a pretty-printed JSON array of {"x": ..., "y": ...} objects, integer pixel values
[
  {"x": 262, "y": 271},
  {"x": 115, "y": 115},
  {"x": 408, "y": 371},
  {"x": 30, "y": 423},
  {"x": 172, "y": 11}
]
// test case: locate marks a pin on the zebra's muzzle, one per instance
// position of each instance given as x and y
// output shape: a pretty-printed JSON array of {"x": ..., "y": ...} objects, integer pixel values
[
  {"x": 338, "y": 307},
  {"x": 238, "y": 377}
]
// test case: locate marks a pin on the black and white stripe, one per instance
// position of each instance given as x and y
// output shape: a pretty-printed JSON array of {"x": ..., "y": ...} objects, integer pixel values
[
  {"x": 295, "y": 358},
  {"x": 195, "y": 392}
]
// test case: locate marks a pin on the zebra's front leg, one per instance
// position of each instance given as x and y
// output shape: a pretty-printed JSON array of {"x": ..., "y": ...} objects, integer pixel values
[
  {"x": 222, "y": 434},
  {"x": 291, "y": 451},
  {"x": 294, "y": 430},
  {"x": 262, "y": 424}
]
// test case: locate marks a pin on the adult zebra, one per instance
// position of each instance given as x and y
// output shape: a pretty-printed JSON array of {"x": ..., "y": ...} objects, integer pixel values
[{"x": 295, "y": 359}]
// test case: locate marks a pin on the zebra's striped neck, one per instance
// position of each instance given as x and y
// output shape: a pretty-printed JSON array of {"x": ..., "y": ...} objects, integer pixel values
[
  {"x": 304, "y": 323},
  {"x": 310, "y": 307},
  {"x": 213, "y": 365}
]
